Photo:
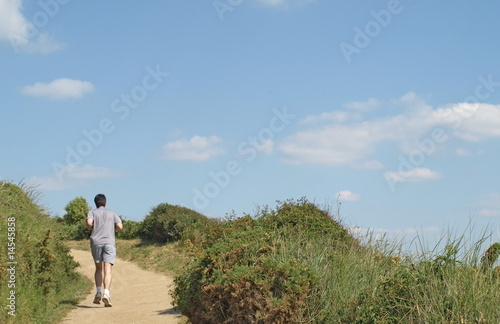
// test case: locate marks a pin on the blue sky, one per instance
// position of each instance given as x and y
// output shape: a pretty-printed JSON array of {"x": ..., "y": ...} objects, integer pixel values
[{"x": 390, "y": 107}]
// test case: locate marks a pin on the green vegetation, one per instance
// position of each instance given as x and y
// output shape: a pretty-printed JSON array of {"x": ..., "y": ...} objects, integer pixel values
[
  {"x": 131, "y": 230},
  {"x": 74, "y": 219},
  {"x": 42, "y": 285},
  {"x": 167, "y": 223},
  {"x": 291, "y": 264},
  {"x": 295, "y": 264}
]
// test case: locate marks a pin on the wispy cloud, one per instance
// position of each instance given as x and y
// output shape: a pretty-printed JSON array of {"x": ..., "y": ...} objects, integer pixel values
[
  {"x": 402, "y": 235},
  {"x": 91, "y": 172},
  {"x": 346, "y": 195},
  {"x": 43, "y": 43},
  {"x": 488, "y": 205},
  {"x": 343, "y": 138},
  {"x": 283, "y": 3},
  {"x": 414, "y": 175},
  {"x": 197, "y": 148},
  {"x": 73, "y": 177},
  {"x": 364, "y": 106},
  {"x": 17, "y": 30},
  {"x": 59, "y": 89}
]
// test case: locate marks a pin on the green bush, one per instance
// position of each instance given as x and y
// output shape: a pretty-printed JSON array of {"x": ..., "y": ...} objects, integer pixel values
[
  {"x": 167, "y": 223},
  {"x": 303, "y": 217},
  {"x": 255, "y": 269},
  {"x": 490, "y": 256},
  {"x": 243, "y": 279},
  {"x": 131, "y": 230}
]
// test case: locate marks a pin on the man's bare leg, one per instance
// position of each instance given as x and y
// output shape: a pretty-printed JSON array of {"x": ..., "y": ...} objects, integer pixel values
[
  {"x": 98, "y": 282},
  {"x": 98, "y": 274},
  {"x": 107, "y": 275},
  {"x": 107, "y": 283}
]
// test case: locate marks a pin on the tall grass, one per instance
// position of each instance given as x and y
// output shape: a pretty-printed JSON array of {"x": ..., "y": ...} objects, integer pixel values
[{"x": 369, "y": 285}]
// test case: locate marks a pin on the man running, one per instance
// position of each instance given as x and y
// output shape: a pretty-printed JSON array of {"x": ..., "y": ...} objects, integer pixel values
[{"x": 103, "y": 222}]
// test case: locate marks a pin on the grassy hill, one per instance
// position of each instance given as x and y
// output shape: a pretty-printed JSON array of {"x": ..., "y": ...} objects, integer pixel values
[
  {"x": 296, "y": 264},
  {"x": 37, "y": 278}
]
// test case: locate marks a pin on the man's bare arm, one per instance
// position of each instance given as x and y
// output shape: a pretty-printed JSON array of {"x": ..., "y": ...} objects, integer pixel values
[
  {"x": 118, "y": 226},
  {"x": 90, "y": 223}
]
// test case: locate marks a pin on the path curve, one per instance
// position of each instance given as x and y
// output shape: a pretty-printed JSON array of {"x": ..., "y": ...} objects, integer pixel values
[{"x": 138, "y": 296}]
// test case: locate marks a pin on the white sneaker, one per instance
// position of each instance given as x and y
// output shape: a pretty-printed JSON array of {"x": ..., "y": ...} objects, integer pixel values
[
  {"x": 106, "y": 300},
  {"x": 97, "y": 298}
]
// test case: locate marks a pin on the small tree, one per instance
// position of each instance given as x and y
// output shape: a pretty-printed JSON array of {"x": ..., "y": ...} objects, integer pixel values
[
  {"x": 76, "y": 211},
  {"x": 74, "y": 219}
]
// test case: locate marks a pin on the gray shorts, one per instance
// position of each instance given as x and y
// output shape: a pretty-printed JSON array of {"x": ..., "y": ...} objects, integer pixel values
[{"x": 104, "y": 253}]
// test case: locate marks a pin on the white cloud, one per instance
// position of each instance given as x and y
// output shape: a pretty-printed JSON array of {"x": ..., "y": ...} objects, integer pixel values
[
  {"x": 59, "y": 89},
  {"x": 463, "y": 152},
  {"x": 197, "y": 148},
  {"x": 20, "y": 33},
  {"x": 364, "y": 106},
  {"x": 414, "y": 175},
  {"x": 11, "y": 19},
  {"x": 473, "y": 122},
  {"x": 42, "y": 43},
  {"x": 333, "y": 145},
  {"x": 50, "y": 183},
  {"x": 337, "y": 138},
  {"x": 489, "y": 212},
  {"x": 488, "y": 205},
  {"x": 73, "y": 177},
  {"x": 265, "y": 147},
  {"x": 346, "y": 195},
  {"x": 371, "y": 165},
  {"x": 90, "y": 172},
  {"x": 350, "y": 143},
  {"x": 283, "y": 3}
]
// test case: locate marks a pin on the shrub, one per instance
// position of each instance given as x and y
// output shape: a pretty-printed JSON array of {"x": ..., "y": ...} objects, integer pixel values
[
  {"x": 304, "y": 217},
  {"x": 131, "y": 230},
  {"x": 242, "y": 279},
  {"x": 253, "y": 270},
  {"x": 167, "y": 223},
  {"x": 490, "y": 256}
]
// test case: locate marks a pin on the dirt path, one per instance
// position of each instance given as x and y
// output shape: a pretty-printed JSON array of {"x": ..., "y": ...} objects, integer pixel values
[{"x": 138, "y": 296}]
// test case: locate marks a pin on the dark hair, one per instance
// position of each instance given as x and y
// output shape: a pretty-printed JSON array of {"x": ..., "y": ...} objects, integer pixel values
[{"x": 100, "y": 200}]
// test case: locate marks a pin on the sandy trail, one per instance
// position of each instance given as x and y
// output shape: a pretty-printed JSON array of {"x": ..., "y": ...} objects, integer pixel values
[{"x": 137, "y": 295}]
